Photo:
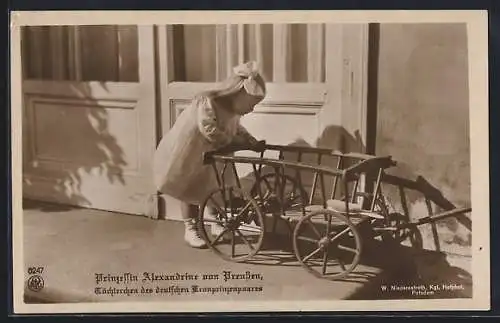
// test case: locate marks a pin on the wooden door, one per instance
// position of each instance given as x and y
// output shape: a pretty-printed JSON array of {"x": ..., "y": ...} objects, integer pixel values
[
  {"x": 315, "y": 75},
  {"x": 89, "y": 120}
]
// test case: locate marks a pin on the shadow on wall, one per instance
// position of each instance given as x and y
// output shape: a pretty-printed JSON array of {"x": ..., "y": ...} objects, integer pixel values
[
  {"x": 66, "y": 146},
  {"x": 417, "y": 199},
  {"x": 420, "y": 106}
]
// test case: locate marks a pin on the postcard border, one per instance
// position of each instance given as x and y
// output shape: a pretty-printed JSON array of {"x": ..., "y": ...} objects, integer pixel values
[{"x": 477, "y": 29}]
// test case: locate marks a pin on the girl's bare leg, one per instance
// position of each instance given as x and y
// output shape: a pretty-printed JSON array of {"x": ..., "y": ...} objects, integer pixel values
[{"x": 189, "y": 211}]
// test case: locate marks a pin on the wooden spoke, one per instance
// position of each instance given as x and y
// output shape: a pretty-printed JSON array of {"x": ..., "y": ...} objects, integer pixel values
[
  {"x": 219, "y": 237},
  {"x": 338, "y": 235},
  {"x": 312, "y": 254},
  {"x": 348, "y": 249},
  {"x": 327, "y": 267},
  {"x": 244, "y": 239},
  {"x": 307, "y": 239}
]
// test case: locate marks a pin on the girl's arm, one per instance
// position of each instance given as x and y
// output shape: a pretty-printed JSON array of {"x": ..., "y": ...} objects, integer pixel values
[
  {"x": 244, "y": 136},
  {"x": 207, "y": 124}
]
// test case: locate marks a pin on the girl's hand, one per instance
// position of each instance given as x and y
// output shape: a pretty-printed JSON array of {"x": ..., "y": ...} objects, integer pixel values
[
  {"x": 252, "y": 144},
  {"x": 259, "y": 146},
  {"x": 240, "y": 141},
  {"x": 256, "y": 145},
  {"x": 252, "y": 141}
]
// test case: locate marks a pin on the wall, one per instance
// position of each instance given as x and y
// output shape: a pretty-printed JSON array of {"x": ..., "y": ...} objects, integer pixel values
[{"x": 422, "y": 115}]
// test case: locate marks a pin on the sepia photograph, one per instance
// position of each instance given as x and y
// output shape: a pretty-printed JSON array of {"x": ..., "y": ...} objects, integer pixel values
[{"x": 249, "y": 162}]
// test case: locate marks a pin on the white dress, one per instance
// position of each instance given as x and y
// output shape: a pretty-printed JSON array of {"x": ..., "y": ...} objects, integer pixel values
[{"x": 178, "y": 163}]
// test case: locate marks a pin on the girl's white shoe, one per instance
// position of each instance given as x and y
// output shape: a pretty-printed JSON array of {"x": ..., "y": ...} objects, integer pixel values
[{"x": 192, "y": 236}]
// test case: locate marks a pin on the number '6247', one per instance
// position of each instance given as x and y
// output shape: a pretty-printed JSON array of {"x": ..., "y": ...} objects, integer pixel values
[{"x": 35, "y": 270}]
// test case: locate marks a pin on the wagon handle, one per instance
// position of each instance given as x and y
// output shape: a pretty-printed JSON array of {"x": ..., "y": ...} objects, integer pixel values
[{"x": 260, "y": 146}]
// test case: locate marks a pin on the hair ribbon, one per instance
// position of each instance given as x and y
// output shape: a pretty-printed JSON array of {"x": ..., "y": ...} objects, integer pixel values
[{"x": 249, "y": 72}]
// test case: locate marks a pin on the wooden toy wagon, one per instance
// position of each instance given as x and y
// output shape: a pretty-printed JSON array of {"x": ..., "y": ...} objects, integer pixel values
[{"x": 327, "y": 201}]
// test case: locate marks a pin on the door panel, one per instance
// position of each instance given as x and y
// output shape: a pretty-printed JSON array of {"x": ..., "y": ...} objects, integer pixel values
[
  {"x": 297, "y": 83},
  {"x": 90, "y": 126}
]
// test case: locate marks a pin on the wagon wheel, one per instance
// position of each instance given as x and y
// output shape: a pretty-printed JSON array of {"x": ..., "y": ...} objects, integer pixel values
[
  {"x": 238, "y": 237},
  {"x": 266, "y": 191},
  {"x": 327, "y": 244},
  {"x": 373, "y": 226},
  {"x": 393, "y": 227},
  {"x": 385, "y": 228},
  {"x": 404, "y": 232}
]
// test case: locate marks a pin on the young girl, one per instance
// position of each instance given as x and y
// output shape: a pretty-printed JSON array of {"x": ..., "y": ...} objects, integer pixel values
[{"x": 212, "y": 121}]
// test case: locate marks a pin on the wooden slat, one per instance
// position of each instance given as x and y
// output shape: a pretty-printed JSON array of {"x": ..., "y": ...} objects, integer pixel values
[
  {"x": 458, "y": 212},
  {"x": 298, "y": 53},
  {"x": 165, "y": 35},
  {"x": 71, "y": 53},
  {"x": 57, "y": 58},
  {"x": 147, "y": 88},
  {"x": 321, "y": 170},
  {"x": 165, "y": 52},
  {"x": 259, "y": 50},
  {"x": 37, "y": 51},
  {"x": 221, "y": 52},
  {"x": 199, "y": 42},
  {"x": 231, "y": 49},
  {"x": 333, "y": 46},
  {"x": 354, "y": 81},
  {"x": 78, "y": 53},
  {"x": 315, "y": 53},
  {"x": 208, "y": 64},
  {"x": 25, "y": 52},
  {"x": 99, "y": 53},
  {"x": 363, "y": 82},
  {"x": 281, "y": 52},
  {"x": 128, "y": 65},
  {"x": 333, "y": 77},
  {"x": 241, "y": 43},
  {"x": 147, "y": 116}
]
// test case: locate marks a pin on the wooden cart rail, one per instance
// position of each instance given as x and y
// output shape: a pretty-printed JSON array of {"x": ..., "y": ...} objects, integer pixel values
[
  {"x": 374, "y": 164},
  {"x": 439, "y": 216},
  {"x": 263, "y": 147},
  {"x": 278, "y": 164},
  {"x": 300, "y": 151}
]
